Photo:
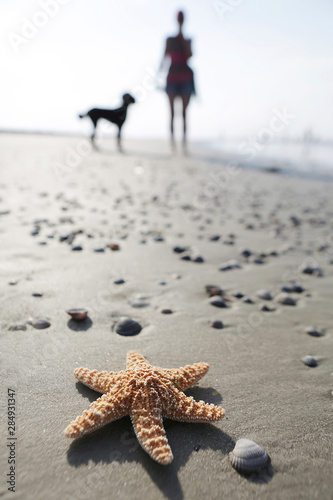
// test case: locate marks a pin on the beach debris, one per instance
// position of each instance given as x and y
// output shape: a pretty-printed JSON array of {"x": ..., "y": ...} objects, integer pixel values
[
  {"x": 78, "y": 314},
  {"x": 247, "y": 300},
  {"x": 147, "y": 394},
  {"x": 231, "y": 264},
  {"x": 166, "y": 311},
  {"x": 198, "y": 259},
  {"x": 246, "y": 253},
  {"x": 138, "y": 301},
  {"x": 285, "y": 299},
  {"x": 248, "y": 457},
  {"x": 178, "y": 249},
  {"x": 264, "y": 294},
  {"x": 309, "y": 361},
  {"x": 18, "y": 327},
  {"x": 266, "y": 308},
  {"x": 114, "y": 247},
  {"x": 313, "y": 331},
  {"x": 119, "y": 282},
  {"x": 39, "y": 323},
  {"x": 292, "y": 288},
  {"x": 311, "y": 269},
  {"x": 127, "y": 326},
  {"x": 186, "y": 256},
  {"x": 212, "y": 290},
  {"x": 217, "y": 324},
  {"x": 217, "y": 301}
]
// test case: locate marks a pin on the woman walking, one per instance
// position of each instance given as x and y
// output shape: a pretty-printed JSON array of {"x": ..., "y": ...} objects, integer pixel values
[{"x": 180, "y": 79}]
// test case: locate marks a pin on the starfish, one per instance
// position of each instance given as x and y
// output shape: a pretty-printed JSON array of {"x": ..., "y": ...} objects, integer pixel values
[{"x": 146, "y": 393}]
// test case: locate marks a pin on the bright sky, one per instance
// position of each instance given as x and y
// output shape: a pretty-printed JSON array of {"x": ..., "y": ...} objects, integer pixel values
[{"x": 249, "y": 57}]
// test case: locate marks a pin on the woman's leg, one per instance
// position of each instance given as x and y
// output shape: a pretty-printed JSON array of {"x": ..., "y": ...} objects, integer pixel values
[
  {"x": 172, "y": 111},
  {"x": 185, "y": 100}
]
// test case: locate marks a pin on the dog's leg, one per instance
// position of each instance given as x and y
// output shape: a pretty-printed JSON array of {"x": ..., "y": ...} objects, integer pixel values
[{"x": 119, "y": 139}]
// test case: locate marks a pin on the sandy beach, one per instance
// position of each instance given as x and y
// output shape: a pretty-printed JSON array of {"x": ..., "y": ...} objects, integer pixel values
[{"x": 61, "y": 205}]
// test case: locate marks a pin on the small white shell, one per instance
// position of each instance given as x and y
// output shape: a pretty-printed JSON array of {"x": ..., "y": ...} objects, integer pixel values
[{"x": 248, "y": 457}]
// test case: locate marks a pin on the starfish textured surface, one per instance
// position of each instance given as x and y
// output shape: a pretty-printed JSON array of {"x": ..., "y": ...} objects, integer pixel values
[{"x": 146, "y": 393}]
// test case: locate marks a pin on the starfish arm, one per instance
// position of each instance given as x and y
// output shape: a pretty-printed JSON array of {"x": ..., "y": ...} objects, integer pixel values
[
  {"x": 102, "y": 382},
  {"x": 177, "y": 406},
  {"x": 107, "y": 408},
  {"x": 183, "y": 378},
  {"x": 148, "y": 426},
  {"x": 134, "y": 359}
]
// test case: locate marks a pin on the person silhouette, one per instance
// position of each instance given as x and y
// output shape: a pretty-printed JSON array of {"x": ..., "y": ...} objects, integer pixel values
[{"x": 180, "y": 78}]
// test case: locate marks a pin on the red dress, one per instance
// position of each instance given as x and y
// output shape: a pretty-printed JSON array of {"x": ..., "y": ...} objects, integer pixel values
[{"x": 180, "y": 79}]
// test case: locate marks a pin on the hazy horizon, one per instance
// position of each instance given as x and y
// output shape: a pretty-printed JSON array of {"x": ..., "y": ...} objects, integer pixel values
[{"x": 251, "y": 60}]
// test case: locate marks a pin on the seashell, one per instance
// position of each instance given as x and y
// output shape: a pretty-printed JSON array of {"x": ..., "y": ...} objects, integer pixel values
[
  {"x": 285, "y": 299},
  {"x": 309, "y": 361},
  {"x": 114, "y": 247},
  {"x": 313, "y": 331},
  {"x": 264, "y": 294},
  {"x": 248, "y": 457},
  {"x": 127, "y": 327},
  {"x": 212, "y": 290},
  {"x": 217, "y": 301},
  {"x": 77, "y": 314},
  {"x": 40, "y": 323},
  {"x": 217, "y": 324}
]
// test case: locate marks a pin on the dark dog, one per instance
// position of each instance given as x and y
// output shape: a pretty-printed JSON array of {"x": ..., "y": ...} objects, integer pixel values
[{"x": 116, "y": 116}]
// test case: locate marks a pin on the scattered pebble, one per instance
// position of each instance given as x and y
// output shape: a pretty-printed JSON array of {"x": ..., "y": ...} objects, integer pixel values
[
  {"x": 114, "y": 247},
  {"x": 216, "y": 324},
  {"x": 212, "y": 290},
  {"x": 40, "y": 323},
  {"x": 166, "y": 311},
  {"x": 311, "y": 269},
  {"x": 238, "y": 295},
  {"x": 217, "y": 301},
  {"x": 179, "y": 249},
  {"x": 77, "y": 248},
  {"x": 285, "y": 299},
  {"x": 231, "y": 264},
  {"x": 264, "y": 294},
  {"x": 17, "y": 327},
  {"x": 309, "y": 361},
  {"x": 266, "y": 308},
  {"x": 215, "y": 237},
  {"x": 198, "y": 259},
  {"x": 119, "y": 282},
  {"x": 292, "y": 288},
  {"x": 37, "y": 294},
  {"x": 138, "y": 302},
  {"x": 186, "y": 256},
  {"x": 247, "y": 300},
  {"x": 127, "y": 326},
  {"x": 99, "y": 250},
  {"x": 313, "y": 331}
]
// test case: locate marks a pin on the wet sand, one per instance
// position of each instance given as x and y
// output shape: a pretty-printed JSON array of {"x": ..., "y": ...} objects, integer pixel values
[{"x": 56, "y": 194}]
